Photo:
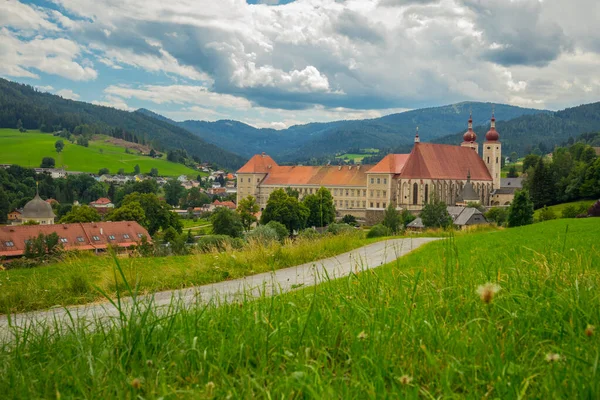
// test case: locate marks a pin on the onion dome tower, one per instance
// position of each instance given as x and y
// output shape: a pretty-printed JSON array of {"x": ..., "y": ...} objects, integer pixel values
[
  {"x": 470, "y": 138},
  {"x": 38, "y": 210},
  {"x": 492, "y": 153}
]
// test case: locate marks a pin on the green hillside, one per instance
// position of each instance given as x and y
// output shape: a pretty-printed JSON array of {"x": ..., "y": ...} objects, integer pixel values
[
  {"x": 48, "y": 113},
  {"x": 27, "y": 149},
  {"x": 501, "y": 315}
]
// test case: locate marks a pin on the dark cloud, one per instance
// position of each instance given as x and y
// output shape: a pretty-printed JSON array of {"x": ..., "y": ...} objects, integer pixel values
[{"x": 355, "y": 26}]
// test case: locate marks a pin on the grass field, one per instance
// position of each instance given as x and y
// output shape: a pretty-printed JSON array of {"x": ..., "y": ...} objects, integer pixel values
[
  {"x": 74, "y": 280},
  {"x": 27, "y": 149},
  {"x": 358, "y": 157},
  {"x": 506, "y": 314},
  {"x": 559, "y": 207}
]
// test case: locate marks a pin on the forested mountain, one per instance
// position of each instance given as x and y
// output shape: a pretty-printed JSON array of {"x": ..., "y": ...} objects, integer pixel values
[
  {"x": 302, "y": 142},
  {"x": 48, "y": 112},
  {"x": 542, "y": 131}
]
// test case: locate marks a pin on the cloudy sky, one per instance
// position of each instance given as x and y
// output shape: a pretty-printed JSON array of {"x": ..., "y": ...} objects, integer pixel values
[{"x": 274, "y": 63}]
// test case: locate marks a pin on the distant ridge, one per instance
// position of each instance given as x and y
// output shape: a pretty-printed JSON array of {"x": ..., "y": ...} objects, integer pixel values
[{"x": 301, "y": 142}]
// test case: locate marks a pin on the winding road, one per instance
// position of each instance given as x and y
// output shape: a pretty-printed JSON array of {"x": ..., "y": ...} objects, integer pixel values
[{"x": 279, "y": 281}]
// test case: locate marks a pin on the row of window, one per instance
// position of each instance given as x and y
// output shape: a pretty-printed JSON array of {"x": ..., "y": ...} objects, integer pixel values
[
  {"x": 249, "y": 180},
  {"x": 349, "y": 203},
  {"x": 378, "y": 193},
  {"x": 349, "y": 192},
  {"x": 377, "y": 204},
  {"x": 80, "y": 239},
  {"x": 373, "y": 180}
]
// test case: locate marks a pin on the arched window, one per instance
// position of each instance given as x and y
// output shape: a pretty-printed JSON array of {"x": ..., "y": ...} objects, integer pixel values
[
  {"x": 426, "y": 193},
  {"x": 415, "y": 194}
]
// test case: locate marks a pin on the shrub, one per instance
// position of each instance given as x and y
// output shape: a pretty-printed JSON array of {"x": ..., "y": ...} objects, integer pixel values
[
  {"x": 546, "y": 214},
  {"x": 282, "y": 231},
  {"x": 336, "y": 229},
  {"x": 594, "y": 210},
  {"x": 349, "y": 219},
  {"x": 570, "y": 211},
  {"x": 214, "y": 242},
  {"x": 264, "y": 234},
  {"x": 379, "y": 231},
  {"x": 309, "y": 233}
]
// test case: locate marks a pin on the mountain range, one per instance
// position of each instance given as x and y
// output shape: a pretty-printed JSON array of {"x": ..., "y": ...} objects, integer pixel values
[{"x": 315, "y": 140}]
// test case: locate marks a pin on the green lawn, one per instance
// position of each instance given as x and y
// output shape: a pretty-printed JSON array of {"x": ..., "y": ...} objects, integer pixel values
[
  {"x": 501, "y": 315},
  {"x": 559, "y": 207},
  {"x": 358, "y": 157},
  {"x": 27, "y": 149}
]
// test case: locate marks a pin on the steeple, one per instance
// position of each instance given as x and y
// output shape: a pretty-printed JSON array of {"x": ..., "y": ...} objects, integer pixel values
[{"x": 417, "y": 140}]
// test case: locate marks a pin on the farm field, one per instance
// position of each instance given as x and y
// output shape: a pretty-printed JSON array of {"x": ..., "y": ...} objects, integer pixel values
[
  {"x": 503, "y": 314},
  {"x": 358, "y": 157},
  {"x": 27, "y": 149},
  {"x": 558, "y": 208}
]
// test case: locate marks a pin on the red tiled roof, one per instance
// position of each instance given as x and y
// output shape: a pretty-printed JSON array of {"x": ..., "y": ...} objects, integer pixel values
[
  {"x": 228, "y": 204},
  {"x": 346, "y": 175},
  {"x": 440, "y": 161},
  {"x": 72, "y": 233},
  {"x": 260, "y": 163},
  {"x": 101, "y": 201},
  {"x": 391, "y": 164}
]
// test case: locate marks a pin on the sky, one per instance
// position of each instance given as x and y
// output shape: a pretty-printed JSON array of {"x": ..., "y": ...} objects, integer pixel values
[{"x": 276, "y": 63}]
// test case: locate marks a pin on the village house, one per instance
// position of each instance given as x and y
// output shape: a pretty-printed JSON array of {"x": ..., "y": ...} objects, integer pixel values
[
  {"x": 96, "y": 236},
  {"x": 505, "y": 194},
  {"x": 103, "y": 205},
  {"x": 14, "y": 217},
  {"x": 407, "y": 181}
]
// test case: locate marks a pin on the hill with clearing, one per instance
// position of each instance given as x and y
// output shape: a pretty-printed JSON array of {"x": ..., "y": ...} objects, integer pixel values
[
  {"x": 48, "y": 112},
  {"x": 28, "y": 148},
  {"x": 503, "y": 314}
]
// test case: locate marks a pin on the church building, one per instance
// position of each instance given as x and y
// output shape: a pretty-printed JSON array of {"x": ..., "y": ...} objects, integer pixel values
[{"x": 408, "y": 181}]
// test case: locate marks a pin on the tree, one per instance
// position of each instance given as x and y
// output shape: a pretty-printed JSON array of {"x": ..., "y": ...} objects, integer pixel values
[
  {"x": 282, "y": 231},
  {"x": 154, "y": 172},
  {"x": 20, "y": 126},
  {"x": 520, "y": 211},
  {"x": 103, "y": 171},
  {"x": 512, "y": 172},
  {"x": 292, "y": 192},
  {"x": 226, "y": 222},
  {"x": 121, "y": 171},
  {"x": 590, "y": 187},
  {"x": 112, "y": 190},
  {"x": 173, "y": 192},
  {"x": 435, "y": 215},
  {"x": 4, "y": 206},
  {"x": 195, "y": 198},
  {"x": 152, "y": 153},
  {"x": 285, "y": 209},
  {"x": 497, "y": 215},
  {"x": 136, "y": 169},
  {"x": 158, "y": 212},
  {"x": 320, "y": 207},
  {"x": 407, "y": 217},
  {"x": 530, "y": 161},
  {"x": 59, "y": 146},
  {"x": 42, "y": 245},
  {"x": 594, "y": 210},
  {"x": 47, "y": 162},
  {"x": 81, "y": 214},
  {"x": 514, "y": 156},
  {"x": 392, "y": 219},
  {"x": 247, "y": 208},
  {"x": 132, "y": 211},
  {"x": 541, "y": 185}
]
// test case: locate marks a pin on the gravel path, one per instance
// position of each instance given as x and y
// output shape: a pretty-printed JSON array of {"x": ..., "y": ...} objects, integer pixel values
[{"x": 280, "y": 281}]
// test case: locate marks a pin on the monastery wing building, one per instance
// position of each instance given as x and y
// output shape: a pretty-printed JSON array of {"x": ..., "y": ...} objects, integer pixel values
[{"x": 408, "y": 181}]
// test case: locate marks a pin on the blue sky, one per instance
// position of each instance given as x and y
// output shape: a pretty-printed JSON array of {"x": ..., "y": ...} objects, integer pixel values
[{"x": 276, "y": 63}]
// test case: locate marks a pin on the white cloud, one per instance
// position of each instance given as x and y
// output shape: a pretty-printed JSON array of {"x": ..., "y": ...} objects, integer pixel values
[
  {"x": 26, "y": 18},
  {"x": 114, "y": 102},
  {"x": 50, "y": 55},
  {"x": 46, "y": 88},
  {"x": 67, "y": 94}
]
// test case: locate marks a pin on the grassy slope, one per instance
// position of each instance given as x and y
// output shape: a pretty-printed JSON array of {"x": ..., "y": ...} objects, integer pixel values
[
  {"x": 28, "y": 149},
  {"x": 73, "y": 281},
  {"x": 360, "y": 337},
  {"x": 558, "y": 208}
]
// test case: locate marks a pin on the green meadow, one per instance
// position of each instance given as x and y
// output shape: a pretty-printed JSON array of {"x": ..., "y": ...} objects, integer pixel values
[
  {"x": 27, "y": 149},
  {"x": 558, "y": 208},
  {"x": 508, "y": 314}
]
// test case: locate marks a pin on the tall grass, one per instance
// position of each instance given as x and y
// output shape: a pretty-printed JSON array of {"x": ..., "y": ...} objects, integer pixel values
[
  {"x": 415, "y": 328},
  {"x": 74, "y": 280}
]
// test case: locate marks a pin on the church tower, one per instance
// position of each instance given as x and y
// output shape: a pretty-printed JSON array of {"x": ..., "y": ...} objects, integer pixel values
[
  {"x": 492, "y": 153},
  {"x": 470, "y": 138}
]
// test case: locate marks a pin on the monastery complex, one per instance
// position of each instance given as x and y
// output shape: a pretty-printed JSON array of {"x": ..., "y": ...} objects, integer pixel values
[{"x": 454, "y": 174}]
